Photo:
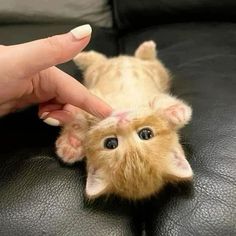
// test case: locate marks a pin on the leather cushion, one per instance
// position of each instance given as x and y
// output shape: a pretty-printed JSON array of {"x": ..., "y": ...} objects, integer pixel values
[
  {"x": 138, "y": 13},
  {"x": 97, "y": 12},
  {"x": 39, "y": 195}
]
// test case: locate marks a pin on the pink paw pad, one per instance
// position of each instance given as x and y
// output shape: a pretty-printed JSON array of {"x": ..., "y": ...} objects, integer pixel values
[
  {"x": 68, "y": 152},
  {"x": 179, "y": 113},
  {"x": 73, "y": 141}
]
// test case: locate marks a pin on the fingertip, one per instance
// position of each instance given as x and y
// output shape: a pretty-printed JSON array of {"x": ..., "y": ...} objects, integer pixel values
[
  {"x": 58, "y": 118},
  {"x": 43, "y": 115},
  {"x": 98, "y": 107},
  {"x": 105, "y": 112},
  {"x": 32, "y": 57},
  {"x": 47, "y": 107},
  {"x": 101, "y": 111},
  {"x": 82, "y": 31},
  {"x": 51, "y": 121}
]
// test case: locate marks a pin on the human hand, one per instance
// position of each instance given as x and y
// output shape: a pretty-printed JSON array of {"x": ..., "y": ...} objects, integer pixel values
[{"x": 29, "y": 76}]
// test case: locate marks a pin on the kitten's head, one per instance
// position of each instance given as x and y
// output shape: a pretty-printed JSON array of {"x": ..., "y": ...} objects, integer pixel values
[{"x": 134, "y": 153}]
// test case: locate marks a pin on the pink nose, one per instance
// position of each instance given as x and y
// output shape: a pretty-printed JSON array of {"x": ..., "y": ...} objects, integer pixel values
[
  {"x": 122, "y": 118},
  {"x": 121, "y": 115}
]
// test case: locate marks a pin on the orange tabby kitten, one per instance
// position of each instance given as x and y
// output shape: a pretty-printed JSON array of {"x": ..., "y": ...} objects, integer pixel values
[{"x": 136, "y": 150}]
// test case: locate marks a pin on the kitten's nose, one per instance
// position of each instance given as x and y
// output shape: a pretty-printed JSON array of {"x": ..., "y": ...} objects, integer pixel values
[
  {"x": 122, "y": 119},
  {"x": 123, "y": 125},
  {"x": 121, "y": 115}
]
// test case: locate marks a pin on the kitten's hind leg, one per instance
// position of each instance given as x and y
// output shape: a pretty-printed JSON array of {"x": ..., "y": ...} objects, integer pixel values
[
  {"x": 146, "y": 51},
  {"x": 69, "y": 145}
]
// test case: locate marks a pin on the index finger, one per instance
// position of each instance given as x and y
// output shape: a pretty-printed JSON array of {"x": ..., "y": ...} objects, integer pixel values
[
  {"x": 32, "y": 57},
  {"x": 67, "y": 90}
]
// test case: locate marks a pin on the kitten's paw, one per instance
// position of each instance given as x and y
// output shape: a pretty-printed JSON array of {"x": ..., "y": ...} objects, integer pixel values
[
  {"x": 86, "y": 59},
  {"x": 69, "y": 148},
  {"x": 146, "y": 51},
  {"x": 179, "y": 113}
]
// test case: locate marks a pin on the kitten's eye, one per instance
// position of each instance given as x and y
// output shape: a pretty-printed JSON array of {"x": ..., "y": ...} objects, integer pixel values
[
  {"x": 145, "y": 134},
  {"x": 111, "y": 143}
]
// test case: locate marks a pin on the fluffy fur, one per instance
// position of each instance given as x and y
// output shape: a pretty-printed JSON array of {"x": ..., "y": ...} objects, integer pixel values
[{"x": 137, "y": 88}]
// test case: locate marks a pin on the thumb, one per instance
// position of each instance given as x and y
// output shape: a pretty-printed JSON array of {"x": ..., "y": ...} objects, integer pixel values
[{"x": 30, "y": 58}]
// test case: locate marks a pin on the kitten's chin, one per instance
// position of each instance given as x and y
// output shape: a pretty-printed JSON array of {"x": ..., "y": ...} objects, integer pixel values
[{"x": 138, "y": 196}]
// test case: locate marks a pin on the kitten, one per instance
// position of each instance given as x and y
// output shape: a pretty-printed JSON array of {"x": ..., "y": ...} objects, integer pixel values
[{"x": 136, "y": 150}]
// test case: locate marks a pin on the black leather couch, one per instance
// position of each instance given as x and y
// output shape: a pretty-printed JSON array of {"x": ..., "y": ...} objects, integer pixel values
[{"x": 197, "y": 42}]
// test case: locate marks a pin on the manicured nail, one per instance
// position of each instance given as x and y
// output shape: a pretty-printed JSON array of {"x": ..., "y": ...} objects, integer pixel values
[
  {"x": 52, "y": 121},
  {"x": 44, "y": 115},
  {"x": 82, "y": 31}
]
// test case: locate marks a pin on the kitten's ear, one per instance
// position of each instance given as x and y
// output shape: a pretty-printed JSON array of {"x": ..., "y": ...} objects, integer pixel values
[
  {"x": 96, "y": 185},
  {"x": 178, "y": 167},
  {"x": 146, "y": 51},
  {"x": 85, "y": 59}
]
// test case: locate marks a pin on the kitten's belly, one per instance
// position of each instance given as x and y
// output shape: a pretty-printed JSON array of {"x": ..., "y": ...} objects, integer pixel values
[
  {"x": 126, "y": 90},
  {"x": 128, "y": 98}
]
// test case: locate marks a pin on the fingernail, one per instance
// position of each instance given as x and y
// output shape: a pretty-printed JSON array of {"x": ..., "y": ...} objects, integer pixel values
[
  {"x": 52, "y": 121},
  {"x": 82, "y": 31},
  {"x": 44, "y": 115}
]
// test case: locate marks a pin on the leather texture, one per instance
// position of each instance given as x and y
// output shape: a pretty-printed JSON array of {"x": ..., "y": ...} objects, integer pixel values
[
  {"x": 136, "y": 14},
  {"x": 96, "y": 12},
  {"x": 41, "y": 196}
]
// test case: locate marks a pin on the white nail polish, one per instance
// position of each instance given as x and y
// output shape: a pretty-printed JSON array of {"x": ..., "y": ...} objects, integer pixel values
[
  {"x": 52, "y": 121},
  {"x": 82, "y": 31},
  {"x": 44, "y": 115}
]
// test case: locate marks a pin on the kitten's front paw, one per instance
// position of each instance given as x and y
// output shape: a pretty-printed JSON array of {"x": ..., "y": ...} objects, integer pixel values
[
  {"x": 69, "y": 149},
  {"x": 179, "y": 113}
]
